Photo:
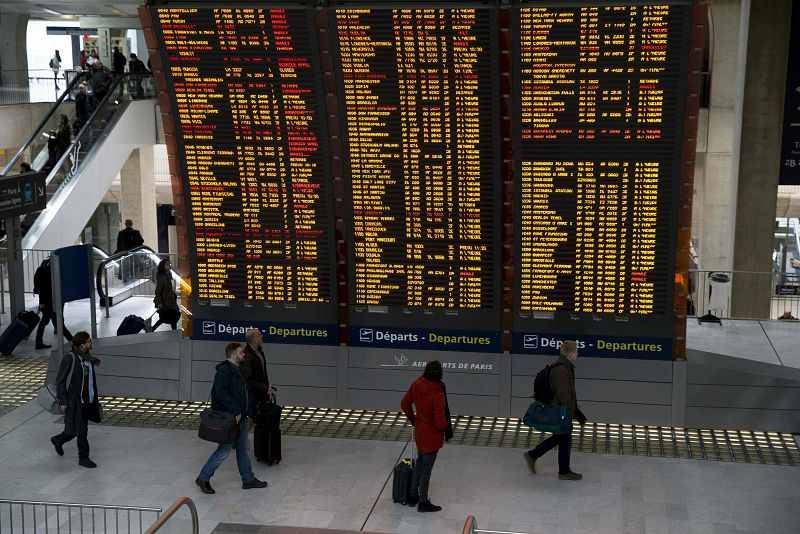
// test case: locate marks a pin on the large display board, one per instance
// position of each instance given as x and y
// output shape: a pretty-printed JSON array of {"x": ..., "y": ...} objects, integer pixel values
[
  {"x": 246, "y": 90},
  {"x": 414, "y": 175},
  {"x": 599, "y": 92},
  {"x": 418, "y": 103}
]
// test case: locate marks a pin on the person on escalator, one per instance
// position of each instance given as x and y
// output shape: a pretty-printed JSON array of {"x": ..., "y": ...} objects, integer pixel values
[
  {"x": 100, "y": 79},
  {"x": 166, "y": 300},
  {"x": 127, "y": 239},
  {"x": 43, "y": 286},
  {"x": 85, "y": 104}
]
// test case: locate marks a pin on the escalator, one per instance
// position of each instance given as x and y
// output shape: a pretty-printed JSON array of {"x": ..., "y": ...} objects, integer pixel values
[
  {"x": 78, "y": 179},
  {"x": 133, "y": 274}
]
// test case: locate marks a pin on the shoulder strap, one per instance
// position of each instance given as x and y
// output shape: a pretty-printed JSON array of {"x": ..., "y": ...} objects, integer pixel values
[{"x": 71, "y": 369}]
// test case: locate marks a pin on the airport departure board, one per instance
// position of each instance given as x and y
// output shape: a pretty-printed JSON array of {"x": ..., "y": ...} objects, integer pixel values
[
  {"x": 418, "y": 110},
  {"x": 599, "y": 92},
  {"x": 415, "y": 174},
  {"x": 250, "y": 115}
]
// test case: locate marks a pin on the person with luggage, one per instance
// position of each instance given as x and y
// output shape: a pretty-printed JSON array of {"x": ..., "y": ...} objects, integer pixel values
[
  {"x": 43, "y": 286},
  {"x": 562, "y": 382},
  {"x": 76, "y": 388},
  {"x": 267, "y": 420},
  {"x": 430, "y": 424},
  {"x": 166, "y": 300},
  {"x": 230, "y": 394}
]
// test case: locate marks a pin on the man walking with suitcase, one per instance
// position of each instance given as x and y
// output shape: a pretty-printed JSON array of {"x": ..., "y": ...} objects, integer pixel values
[
  {"x": 562, "y": 383},
  {"x": 230, "y": 394}
]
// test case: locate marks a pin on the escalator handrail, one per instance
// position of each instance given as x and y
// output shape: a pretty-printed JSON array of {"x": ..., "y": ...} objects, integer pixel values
[
  {"x": 84, "y": 128},
  {"x": 37, "y": 131},
  {"x": 114, "y": 257}
]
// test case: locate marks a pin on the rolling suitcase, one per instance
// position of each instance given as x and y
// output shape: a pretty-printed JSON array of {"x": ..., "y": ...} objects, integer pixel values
[
  {"x": 267, "y": 444},
  {"x": 401, "y": 477},
  {"x": 267, "y": 432},
  {"x": 31, "y": 320},
  {"x": 132, "y": 324},
  {"x": 12, "y": 336}
]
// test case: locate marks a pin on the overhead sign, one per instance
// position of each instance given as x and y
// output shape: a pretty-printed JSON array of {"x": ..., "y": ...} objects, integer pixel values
[
  {"x": 70, "y": 30},
  {"x": 22, "y": 193},
  {"x": 790, "y": 145}
]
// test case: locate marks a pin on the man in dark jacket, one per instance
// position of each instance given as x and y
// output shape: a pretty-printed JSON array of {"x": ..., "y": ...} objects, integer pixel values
[
  {"x": 430, "y": 423},
  {"x": 77, "y": 395},
  {"x": 230, "y": 394},
  {"x": 43, "y": 286},
  {"x": 126, "y": 240},
  {"x": 562, "y": 383},
  {"x": 118, "y": 60},
  {"x": 254, "y": 367},
  {"x": 100, "y": 79}
]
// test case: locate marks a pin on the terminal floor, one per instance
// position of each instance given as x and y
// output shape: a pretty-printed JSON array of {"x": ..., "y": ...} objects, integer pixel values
[{"x": 345, "y": 484}]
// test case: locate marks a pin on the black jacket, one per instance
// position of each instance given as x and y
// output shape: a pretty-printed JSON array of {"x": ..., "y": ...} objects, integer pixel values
[
  {"x": 70, "y": 394},
  {"x": 229, "y": 393},
  {"x": 254, "y": 369},
  {"x": 85, "y": 104},
  {"x": 127, "y": 239}
]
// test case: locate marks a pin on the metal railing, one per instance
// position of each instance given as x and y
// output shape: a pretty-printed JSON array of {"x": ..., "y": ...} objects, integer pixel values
[
  {"x": 170, "y": 512},
  {"x": 32, "y": 86},
  {"x": 471, "y": 527},
  {"x": 711, "y": 293},
  {"x": 41, "y": 516}
]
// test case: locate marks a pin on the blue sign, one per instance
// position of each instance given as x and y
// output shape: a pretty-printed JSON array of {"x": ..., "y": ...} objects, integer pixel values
[
  {"x": 301, "y": 334},
  {"x": 641, "y": 348},
  {"x": 73, "y": 263},
  {"x": 424, "y": 339}
]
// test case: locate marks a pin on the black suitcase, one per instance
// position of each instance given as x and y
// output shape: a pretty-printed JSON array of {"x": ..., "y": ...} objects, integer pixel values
[
  {"x": 401, "y": 481},
  {"x": 267, "y": 444},
  {"x": 269, "y": 413},
  {"x": 401, "y": 476},
  {"x": 12, "y": 336},
  {"x": 132, "y": 324},
  {"x": 30, "y": 318}
]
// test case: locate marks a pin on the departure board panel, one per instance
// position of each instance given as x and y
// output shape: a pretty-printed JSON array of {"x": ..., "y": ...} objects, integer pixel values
[
  {"x": 247, "y": 97},
  {"x": 599, "y": 92},
  {"x": 418, "y": 105}
]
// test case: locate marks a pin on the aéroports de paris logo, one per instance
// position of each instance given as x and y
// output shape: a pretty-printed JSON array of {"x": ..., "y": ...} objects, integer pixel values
[
  {"x": 400, "y": 360},
  {"x": 209, "y": 328}
]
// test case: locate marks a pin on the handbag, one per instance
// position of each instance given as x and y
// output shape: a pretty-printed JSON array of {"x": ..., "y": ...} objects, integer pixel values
[
  {"x": 94, "y": 412},
  {"x": 553, "y": 418},
  {"x": 217, "y": 426},
  {"x": 46, "y": 398},
  {"x": 269, "y": 413}
]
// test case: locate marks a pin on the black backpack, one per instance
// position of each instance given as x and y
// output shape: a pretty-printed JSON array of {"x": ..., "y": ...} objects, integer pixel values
[
  {"x": 41, "y": 278},
  {"x": 542, "y": 391}
]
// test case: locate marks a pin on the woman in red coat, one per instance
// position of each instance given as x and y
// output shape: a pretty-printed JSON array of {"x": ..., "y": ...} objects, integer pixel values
[{"x": 427, "y": 395}]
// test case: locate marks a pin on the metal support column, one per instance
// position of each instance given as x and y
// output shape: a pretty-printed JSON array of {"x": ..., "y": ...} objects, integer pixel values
[{"x": 16, "y": 271}]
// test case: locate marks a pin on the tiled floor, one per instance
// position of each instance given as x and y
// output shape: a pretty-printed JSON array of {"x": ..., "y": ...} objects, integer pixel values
[{"x": 345, "y": 484}]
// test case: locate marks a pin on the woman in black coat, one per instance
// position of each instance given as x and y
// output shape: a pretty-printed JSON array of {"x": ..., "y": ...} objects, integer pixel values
[{"x": 166, "y": 300}]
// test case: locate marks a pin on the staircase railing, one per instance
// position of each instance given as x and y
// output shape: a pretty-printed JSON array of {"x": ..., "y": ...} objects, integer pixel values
[
  {"x": 471, "y": 527},
  {"x": 32, "y": 516},
  {"x": 182, "y": 501}
]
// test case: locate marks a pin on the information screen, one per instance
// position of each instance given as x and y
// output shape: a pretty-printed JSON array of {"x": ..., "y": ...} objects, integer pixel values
[
  {"x": 249, "y": 111},
  {"x": 599, "y": 94},
  {"x": 417, "y": 96}
]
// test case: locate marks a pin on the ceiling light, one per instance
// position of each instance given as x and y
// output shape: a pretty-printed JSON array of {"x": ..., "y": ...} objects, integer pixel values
[{"x": 48, "y": 10}]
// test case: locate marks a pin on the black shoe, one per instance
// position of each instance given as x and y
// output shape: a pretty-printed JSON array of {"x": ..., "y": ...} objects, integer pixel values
[
  {"x": 428, "y": 506},
  {"x": 57, "y": 445},
  {"x": 86, "y": 462},
  {"x": 412, "y": 501},
  {"x": 255, "y": 483},
  {"x": 530, "y": 460},
  {"x": 40, "y": 346},
  {"x": 205, "y": 486},
  {"x": 570, "y": 475}
]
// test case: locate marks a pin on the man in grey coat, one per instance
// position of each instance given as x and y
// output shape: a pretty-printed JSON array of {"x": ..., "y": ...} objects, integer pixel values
[{"x": 77, "y": 397}]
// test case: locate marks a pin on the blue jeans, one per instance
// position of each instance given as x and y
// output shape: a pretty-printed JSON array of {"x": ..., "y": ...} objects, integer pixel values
[{"x": 222, "y": 452}]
